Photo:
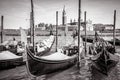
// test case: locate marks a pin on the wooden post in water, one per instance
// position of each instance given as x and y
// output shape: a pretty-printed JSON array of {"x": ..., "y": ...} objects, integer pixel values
[
  {"x": 56, "y": 30},
  {"x": 114, "y": 24},
  {"x": 85, "y": 33},
  {"x": 32, "y": 12},
  {"x": 31, "y": 27},
  {"x": 79, "y": 24},
  {"x": 2, "y": 18}
]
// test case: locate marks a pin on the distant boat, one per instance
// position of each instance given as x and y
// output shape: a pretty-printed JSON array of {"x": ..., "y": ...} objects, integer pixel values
[
  {"x": 117, "y": 41},
  {"x": 9, "y": 60},
  {"x": 90, "y": 39}
]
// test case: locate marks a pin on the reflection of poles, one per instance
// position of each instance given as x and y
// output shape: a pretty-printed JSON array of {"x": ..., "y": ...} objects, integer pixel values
[
  {"x": 2, "y": 29},
  {"x": 114, "y": 28},
  {"x": 79, "y": 24},
  {"x": 56, "y": 30}
]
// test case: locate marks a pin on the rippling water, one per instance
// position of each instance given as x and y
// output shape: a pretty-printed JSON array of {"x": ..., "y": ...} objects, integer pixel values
[{"x": 20, "y": 73}]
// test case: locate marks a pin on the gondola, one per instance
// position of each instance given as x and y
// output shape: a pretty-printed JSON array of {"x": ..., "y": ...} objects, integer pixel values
[
  {"x": 88, "y": 38},
  {"x": 38, "y": 64},
  {"x": 103, "y": 56},
  {"x": 117, "y": 41},
  {"x": 91, "y": 39},
  {"x": 17, "y": 49},
  {"x": 104, "y": 60},
  {"x": 45, "y": 64},
  {"x": 9, "y": 45},
  {"x": 41, "y": 65},
  {"x": 9, "y": 60},
  {"x": 14, "y": 46}
]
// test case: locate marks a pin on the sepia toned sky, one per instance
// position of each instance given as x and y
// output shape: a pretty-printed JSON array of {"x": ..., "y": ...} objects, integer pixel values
[{"x": 17, "y": 12}]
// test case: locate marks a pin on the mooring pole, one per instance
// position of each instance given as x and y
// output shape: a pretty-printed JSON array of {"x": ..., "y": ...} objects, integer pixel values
[
  {"x": 2, "y": 18},
  {"x": 32, "y": 11},
  {"x": 85, "y": 33},
  {"x": 79, "y": 24},
  {"x": 31, "y": 27},
  {"x": 114, "y": 24},
  {"x": 56, "y": 30}
]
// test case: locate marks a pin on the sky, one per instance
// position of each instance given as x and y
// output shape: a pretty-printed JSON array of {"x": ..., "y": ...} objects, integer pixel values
[{"x": 17, "y": 12}]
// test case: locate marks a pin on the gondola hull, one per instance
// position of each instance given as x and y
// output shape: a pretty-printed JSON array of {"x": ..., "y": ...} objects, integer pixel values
[
  {"x": 38, "y": 66},
  {"x": 9, "y": 60},
  {"x": 89, "y": 39},
  {"x": 102, "y": 67},
  {"x": 104, "y": 62}
]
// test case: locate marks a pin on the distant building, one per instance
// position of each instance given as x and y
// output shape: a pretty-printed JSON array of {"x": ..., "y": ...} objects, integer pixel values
[
  {"x": 13, "y": 32},
  {"x": 41, "y": 26},
  {"x": 105, "y": 28},
  {"x": 108, "y": 26},
  {"x": 99, "y": 27}
]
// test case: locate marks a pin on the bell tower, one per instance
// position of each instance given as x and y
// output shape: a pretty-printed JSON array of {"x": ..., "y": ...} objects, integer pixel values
[{"x": 63, "y": 17}]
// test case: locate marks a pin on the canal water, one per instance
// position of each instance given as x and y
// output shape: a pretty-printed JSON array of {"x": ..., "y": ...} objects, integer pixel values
[{"x": 20, "y": 72}]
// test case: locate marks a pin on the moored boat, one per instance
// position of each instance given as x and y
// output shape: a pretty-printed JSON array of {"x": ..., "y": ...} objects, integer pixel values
[
  {"x": 88, "y": 38},
  {"x": 117, "y": 41},
  {"x": 16, "y": 48},
  {"x": 103, "y": 55},
  {"x": 40, "y": 65},
  {"x": 103, "y": 60},
  {"x": 91, "y": 39},
  {"x": 9, "y": 59}
]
